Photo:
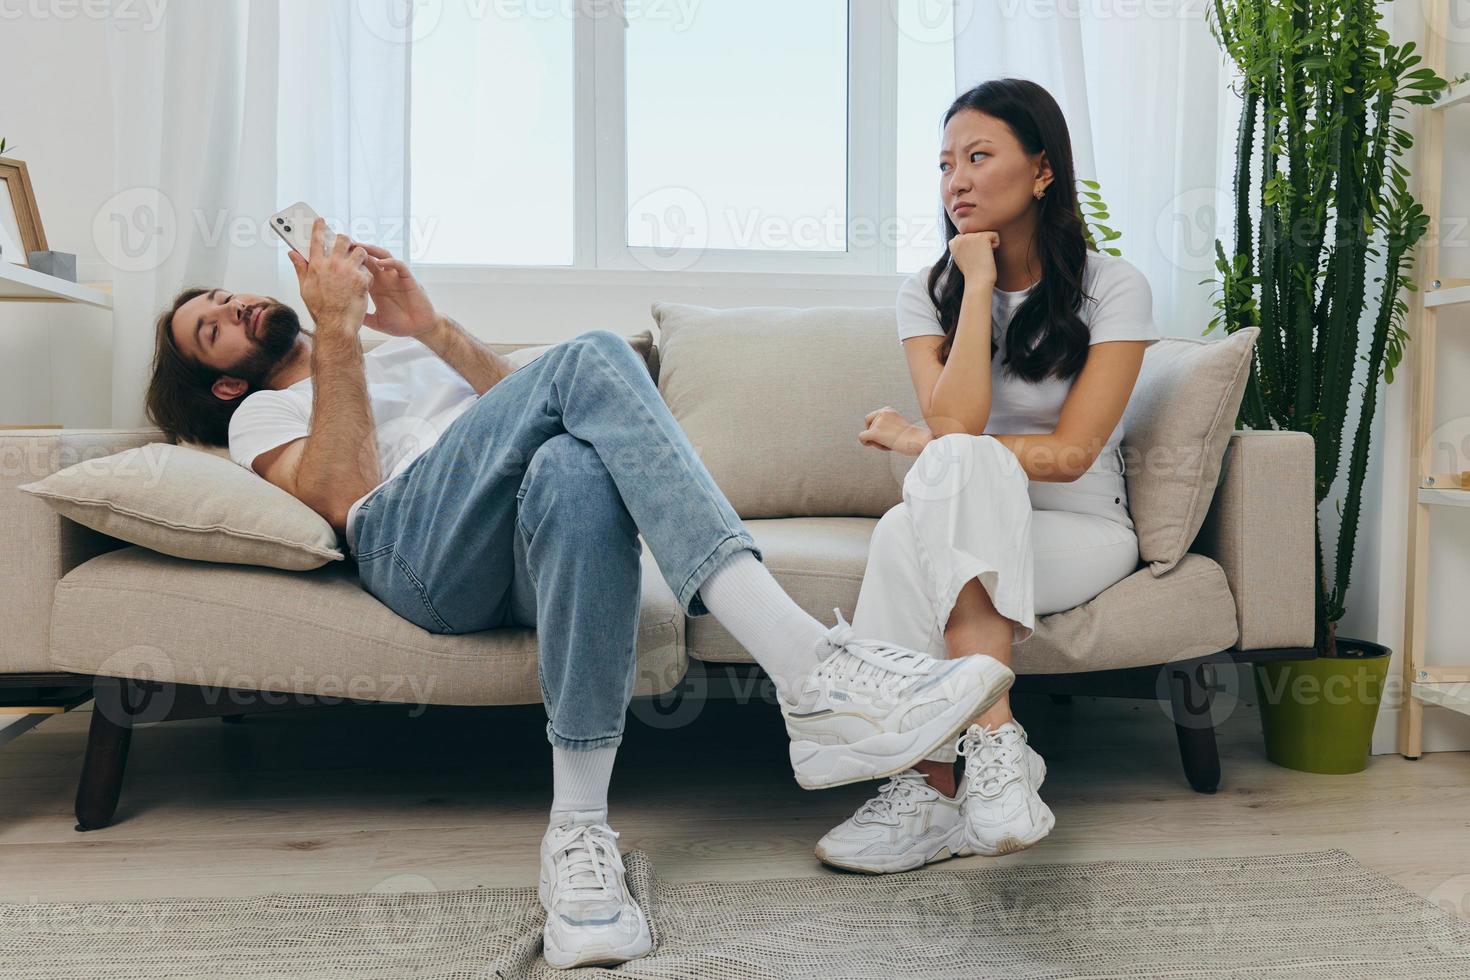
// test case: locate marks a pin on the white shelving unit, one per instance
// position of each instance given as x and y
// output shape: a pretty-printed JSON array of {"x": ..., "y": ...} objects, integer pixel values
[
  {"x": 21, "y": 285},
  {"x": 1442, "y": 686},
  {"x": 1457, "y": 95}
]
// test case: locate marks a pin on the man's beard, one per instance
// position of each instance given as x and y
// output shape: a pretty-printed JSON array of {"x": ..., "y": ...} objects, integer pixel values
[{"x": 275, "y": 340}]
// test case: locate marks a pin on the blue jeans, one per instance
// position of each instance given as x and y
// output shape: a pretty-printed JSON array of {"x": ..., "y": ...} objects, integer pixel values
[{"x": 526, "y": 512}]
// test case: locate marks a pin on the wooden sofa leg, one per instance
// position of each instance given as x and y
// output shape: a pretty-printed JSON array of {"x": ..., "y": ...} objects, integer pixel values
[
  {"x": 107, "y": 753},
  {"x": 1189, "y": 693}
]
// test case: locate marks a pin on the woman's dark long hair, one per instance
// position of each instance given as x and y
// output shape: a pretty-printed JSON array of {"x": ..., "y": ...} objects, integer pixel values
[{"x": 1045, "y": 337}]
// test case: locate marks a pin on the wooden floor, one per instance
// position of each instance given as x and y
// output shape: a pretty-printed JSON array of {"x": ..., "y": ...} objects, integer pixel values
[{"x": 353, "y": 799}]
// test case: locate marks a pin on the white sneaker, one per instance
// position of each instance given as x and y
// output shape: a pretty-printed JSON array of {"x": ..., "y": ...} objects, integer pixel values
[
  {"x": 1003, "y": 808},
  {"x": 871, "y": 710},
  {"x": 590, "y": 917},
  {"x": 907, "y": 825}
]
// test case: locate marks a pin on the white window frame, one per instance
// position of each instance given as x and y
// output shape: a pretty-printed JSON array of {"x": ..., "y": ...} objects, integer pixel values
[{"x": 600, "y": 252}]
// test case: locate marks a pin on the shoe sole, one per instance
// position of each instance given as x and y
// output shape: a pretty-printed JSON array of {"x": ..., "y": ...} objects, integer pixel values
[
  {"x": 840, "y": 765},
  {"x": 605, "y": 956},
  {"x": 905, "y": 864}
]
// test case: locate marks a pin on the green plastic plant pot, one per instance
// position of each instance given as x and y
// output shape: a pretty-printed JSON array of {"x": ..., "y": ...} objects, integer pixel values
[{"x": 1318, "y": 715}]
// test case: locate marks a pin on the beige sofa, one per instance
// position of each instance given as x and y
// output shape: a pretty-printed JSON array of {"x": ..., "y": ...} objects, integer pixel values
[{"x": 773, "y": 401}]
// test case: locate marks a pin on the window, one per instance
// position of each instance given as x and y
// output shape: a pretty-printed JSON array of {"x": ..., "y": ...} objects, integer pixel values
[
  {"x": 737, "y": 126},
  {"x": 727, "y": 135},
  {"x": 492, "y": 139},
  {"x": 926, "y": 87}
]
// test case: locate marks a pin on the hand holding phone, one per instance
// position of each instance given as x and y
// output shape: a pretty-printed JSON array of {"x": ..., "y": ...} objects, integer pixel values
[{"x": 334, "y": 283}]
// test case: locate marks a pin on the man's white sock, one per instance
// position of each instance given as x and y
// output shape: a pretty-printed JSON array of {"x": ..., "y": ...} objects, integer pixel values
[
  {"x": 580, "y": 778},
  {"x": 778, "y": 633}
]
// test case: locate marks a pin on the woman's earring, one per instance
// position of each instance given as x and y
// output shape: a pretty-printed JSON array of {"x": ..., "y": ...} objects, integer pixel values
[{"x": 1038, "y": 192}]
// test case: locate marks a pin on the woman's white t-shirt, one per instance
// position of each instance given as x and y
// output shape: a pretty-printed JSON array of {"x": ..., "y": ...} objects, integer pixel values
[{"x": 1120, "y": 307}]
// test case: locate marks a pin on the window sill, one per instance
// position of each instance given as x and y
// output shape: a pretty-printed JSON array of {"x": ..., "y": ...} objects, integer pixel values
[{"x": 569, "y": 276}]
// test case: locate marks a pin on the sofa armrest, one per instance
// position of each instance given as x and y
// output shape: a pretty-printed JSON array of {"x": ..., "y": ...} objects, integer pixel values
[
  {"x": 1261, "y": 529},
  {"x": 39, "y": 545}
]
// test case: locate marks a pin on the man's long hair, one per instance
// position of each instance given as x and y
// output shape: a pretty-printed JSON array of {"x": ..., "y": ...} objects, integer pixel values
[{"x": 180, "y": 399}]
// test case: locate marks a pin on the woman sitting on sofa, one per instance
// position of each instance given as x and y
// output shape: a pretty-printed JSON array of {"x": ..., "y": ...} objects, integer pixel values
[{"x": 1024, "y": 344}]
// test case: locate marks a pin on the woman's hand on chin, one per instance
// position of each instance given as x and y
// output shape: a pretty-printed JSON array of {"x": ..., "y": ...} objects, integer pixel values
[
  {"x": 889, "y": 430},
  {"x": 974, "y": 255}
]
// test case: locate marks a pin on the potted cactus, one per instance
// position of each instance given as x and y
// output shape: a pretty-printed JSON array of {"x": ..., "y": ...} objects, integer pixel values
[{"x": 1325, "y": 232}]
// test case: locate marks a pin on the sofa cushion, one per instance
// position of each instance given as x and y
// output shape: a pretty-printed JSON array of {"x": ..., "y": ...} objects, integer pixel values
[
  {"x": 773, "y": 400},
  {"x": 135, "y": 613},
  {"x": 1178, "y": 421},
  {"x": 190, "y": 504},
  {"x": 1140, "y": 621}
]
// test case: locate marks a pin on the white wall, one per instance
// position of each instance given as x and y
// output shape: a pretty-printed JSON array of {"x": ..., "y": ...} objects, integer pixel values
[{"x": 55, "y": 359}]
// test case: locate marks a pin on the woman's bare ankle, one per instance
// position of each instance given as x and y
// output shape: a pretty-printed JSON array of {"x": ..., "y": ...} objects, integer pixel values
[{"x": 996, "y": 715}]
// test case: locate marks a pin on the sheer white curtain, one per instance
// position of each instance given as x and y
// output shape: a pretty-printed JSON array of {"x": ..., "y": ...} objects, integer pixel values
[
  {"x": 1145, "y": 92},
  {"x": 193, "y": 155},
  {"x": 200, "y": 97},
  {"x": 345, "y": 91}
]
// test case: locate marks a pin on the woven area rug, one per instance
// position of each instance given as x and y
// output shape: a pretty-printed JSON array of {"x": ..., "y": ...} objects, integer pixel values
[{"x": 1286, "y": 916}]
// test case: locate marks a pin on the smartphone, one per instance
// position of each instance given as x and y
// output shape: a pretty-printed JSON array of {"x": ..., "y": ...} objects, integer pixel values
[{"x": 294, "y": 226}]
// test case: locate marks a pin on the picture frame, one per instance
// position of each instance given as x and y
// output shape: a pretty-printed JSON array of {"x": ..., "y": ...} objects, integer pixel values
[{"x": 21, "y": 231}]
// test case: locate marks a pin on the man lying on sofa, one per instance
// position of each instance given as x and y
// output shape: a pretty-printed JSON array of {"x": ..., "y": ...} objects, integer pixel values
[{"x": 475, "y": 496}]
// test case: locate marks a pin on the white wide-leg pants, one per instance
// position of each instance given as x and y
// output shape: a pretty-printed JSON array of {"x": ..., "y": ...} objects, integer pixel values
[{"x": 970, "y": 512}]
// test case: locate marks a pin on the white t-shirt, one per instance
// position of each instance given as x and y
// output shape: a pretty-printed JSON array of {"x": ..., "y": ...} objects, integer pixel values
[
  {"x": 1120, "y": 308},
  {"x": 413, "y": 393}
]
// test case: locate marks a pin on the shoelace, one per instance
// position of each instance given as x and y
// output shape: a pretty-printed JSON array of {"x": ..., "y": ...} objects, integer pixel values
[
  {"x": 992, "y": 762},
  {"x": 868, "y": 663},
  {"x": 585, "y": 856},
  {"x": 897, "y": 791}
]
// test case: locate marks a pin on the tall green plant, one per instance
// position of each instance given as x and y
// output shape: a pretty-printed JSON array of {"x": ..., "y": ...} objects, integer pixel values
[{"x": 1320, "y": 190}]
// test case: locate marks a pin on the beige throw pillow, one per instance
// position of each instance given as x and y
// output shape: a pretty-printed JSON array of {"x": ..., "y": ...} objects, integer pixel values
[
  {"x": 773, "y": 400},
  {"x": 191, "y": 504},
  {"x": 1178, "y": 422}
]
